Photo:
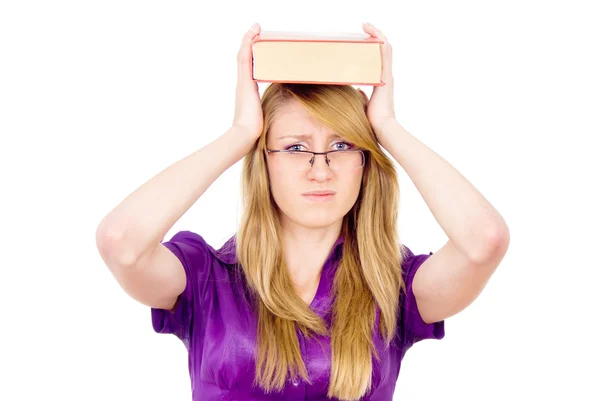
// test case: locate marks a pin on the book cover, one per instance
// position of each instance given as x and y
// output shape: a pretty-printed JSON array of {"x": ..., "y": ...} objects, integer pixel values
[{"x": 317, "y": 57}]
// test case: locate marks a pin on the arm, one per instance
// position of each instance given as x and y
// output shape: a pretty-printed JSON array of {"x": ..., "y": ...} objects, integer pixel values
[
  {"x": 450, "y": 279},
  {"x": 139, "y": 223},
  {"x": 130, "y": 237},
  {"x": 136, "y": 227},
  {"x": 453, "y": 277}
]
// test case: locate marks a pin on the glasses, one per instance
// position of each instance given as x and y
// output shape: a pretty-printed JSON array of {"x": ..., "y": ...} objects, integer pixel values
[{"x": 337, "y": 160}]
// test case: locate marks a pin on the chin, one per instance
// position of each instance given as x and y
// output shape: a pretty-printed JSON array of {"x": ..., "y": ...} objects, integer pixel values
[{"x": 317, "y": 219}]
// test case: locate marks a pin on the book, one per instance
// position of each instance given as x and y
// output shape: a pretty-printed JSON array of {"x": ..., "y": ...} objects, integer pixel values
[{"x": 317, "y": 57}]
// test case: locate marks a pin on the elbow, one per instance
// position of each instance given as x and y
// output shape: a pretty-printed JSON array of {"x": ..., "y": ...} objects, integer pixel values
[
  {"x": 111, "y": 246},
  {"x": 496, "y": 245}
]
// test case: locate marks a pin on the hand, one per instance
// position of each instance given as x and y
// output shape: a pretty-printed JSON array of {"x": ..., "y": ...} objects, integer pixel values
[
  {"x": 248, "y": 116},
  {"x": 380, "y": 108}
]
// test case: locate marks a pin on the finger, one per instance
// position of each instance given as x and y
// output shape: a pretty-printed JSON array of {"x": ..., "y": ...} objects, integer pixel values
[
  {"x": 371, "y": 30},
  {"x": 245, "y": 53},
  {"x": 386, "y": 49},
  {"x": 247, "y": 42}
]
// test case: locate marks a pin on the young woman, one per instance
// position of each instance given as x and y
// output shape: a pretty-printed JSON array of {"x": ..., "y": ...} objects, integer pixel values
[{"x": 314, "y": 296}]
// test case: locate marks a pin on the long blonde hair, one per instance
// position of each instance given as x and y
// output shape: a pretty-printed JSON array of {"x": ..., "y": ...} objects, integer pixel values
[{"x": 368, "y": 274}]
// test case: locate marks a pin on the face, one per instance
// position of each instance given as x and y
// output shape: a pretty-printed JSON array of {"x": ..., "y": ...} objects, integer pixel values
[{"x": 295, "y": 129}]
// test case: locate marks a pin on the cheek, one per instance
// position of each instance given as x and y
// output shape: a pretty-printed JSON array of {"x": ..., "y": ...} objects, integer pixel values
[
  {"x": 351, "y": 184},
  {"x": 349, "y": 188},
  {"x": 283, "y": 185}
]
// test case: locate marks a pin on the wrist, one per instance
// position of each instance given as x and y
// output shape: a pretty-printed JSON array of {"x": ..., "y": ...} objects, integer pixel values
[
  {"x": 241, "y": 137},
  {"x": 384, "y": 127}
]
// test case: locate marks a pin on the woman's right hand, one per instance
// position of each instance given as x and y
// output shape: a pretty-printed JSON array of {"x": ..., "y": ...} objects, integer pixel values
[{"x": 248, "y": 117}]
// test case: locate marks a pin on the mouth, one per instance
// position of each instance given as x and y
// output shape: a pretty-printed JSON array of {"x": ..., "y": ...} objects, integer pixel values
[{"x": 319, "y": 196}]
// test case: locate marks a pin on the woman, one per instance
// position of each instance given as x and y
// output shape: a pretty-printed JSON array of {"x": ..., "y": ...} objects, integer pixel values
[{"x": 313, "y": 297}]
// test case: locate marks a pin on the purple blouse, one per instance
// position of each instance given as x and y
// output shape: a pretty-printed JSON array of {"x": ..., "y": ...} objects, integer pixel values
[{"x": 213, "y": 319}]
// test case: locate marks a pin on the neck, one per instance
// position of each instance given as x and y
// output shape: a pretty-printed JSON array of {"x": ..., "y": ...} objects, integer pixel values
[{"x": 306, "y": 249}]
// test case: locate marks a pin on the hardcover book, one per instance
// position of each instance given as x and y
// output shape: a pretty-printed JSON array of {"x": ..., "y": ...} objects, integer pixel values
[{"x": 319, "y": 58}]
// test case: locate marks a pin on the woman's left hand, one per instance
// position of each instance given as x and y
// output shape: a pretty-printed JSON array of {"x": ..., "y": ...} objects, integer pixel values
[{"x": 380, "y": 108}]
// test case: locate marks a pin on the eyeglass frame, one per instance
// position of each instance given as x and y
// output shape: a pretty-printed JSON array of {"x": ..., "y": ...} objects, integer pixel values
[{"x": 312, "y": 159}]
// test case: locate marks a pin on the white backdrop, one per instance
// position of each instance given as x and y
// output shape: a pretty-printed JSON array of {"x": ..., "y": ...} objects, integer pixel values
[{"x": 98, "y": 97}]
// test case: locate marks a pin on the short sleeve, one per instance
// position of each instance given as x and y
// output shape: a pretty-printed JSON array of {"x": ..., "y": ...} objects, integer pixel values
[
  {"x": 412, "y": 326},
  {"x": 196, "y": 258}
]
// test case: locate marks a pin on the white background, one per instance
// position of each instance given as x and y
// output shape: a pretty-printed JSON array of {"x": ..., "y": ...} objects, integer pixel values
[{"x": 98, "y": 97}]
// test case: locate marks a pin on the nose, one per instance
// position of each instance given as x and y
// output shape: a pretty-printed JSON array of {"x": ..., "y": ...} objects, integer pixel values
[
  {"x": 324, "y": 157},
  {"x": 320, "y": 169}
]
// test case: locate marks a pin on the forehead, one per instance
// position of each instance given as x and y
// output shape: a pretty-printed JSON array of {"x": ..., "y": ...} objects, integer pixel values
[
  {"x": 293, "y": 121},
  {"x": 292, "y": 114}
]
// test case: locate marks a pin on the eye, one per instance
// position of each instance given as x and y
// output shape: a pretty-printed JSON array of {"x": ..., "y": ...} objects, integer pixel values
[
  {"x": 292, "y": 147},
  {"x": 350, "y": 146}
]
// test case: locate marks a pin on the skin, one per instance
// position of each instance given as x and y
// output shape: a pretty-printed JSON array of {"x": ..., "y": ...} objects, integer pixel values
[{"x": 310, "y": 229}]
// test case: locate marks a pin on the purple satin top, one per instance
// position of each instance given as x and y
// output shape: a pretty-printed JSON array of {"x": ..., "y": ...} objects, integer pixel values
[{"x": 213, "y": 319}]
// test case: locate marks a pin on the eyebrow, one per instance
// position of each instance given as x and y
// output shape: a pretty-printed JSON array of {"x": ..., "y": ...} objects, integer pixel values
[{"x": 305, "y": 136}]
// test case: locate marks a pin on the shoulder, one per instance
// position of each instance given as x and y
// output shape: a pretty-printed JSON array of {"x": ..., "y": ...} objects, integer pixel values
[
  {"x": 202, "y": 261},
  {"x": 192, "y": 243},
  {"x": 207, "y": 273},
  {"x": 412, "y": 326},
  {"x": 409, "y": 261}
]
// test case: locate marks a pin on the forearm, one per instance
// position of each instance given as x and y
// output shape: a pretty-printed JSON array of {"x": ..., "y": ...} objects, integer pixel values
[
  {"x": 142, "y": 220},
  {"x": 468, "y": 219}
]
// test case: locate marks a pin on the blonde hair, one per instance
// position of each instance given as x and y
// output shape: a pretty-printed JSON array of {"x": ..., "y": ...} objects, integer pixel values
[{"x": 368, "y": 274}]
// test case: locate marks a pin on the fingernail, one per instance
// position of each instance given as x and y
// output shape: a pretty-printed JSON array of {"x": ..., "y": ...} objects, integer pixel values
[{"x": 255, "y": 27}]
